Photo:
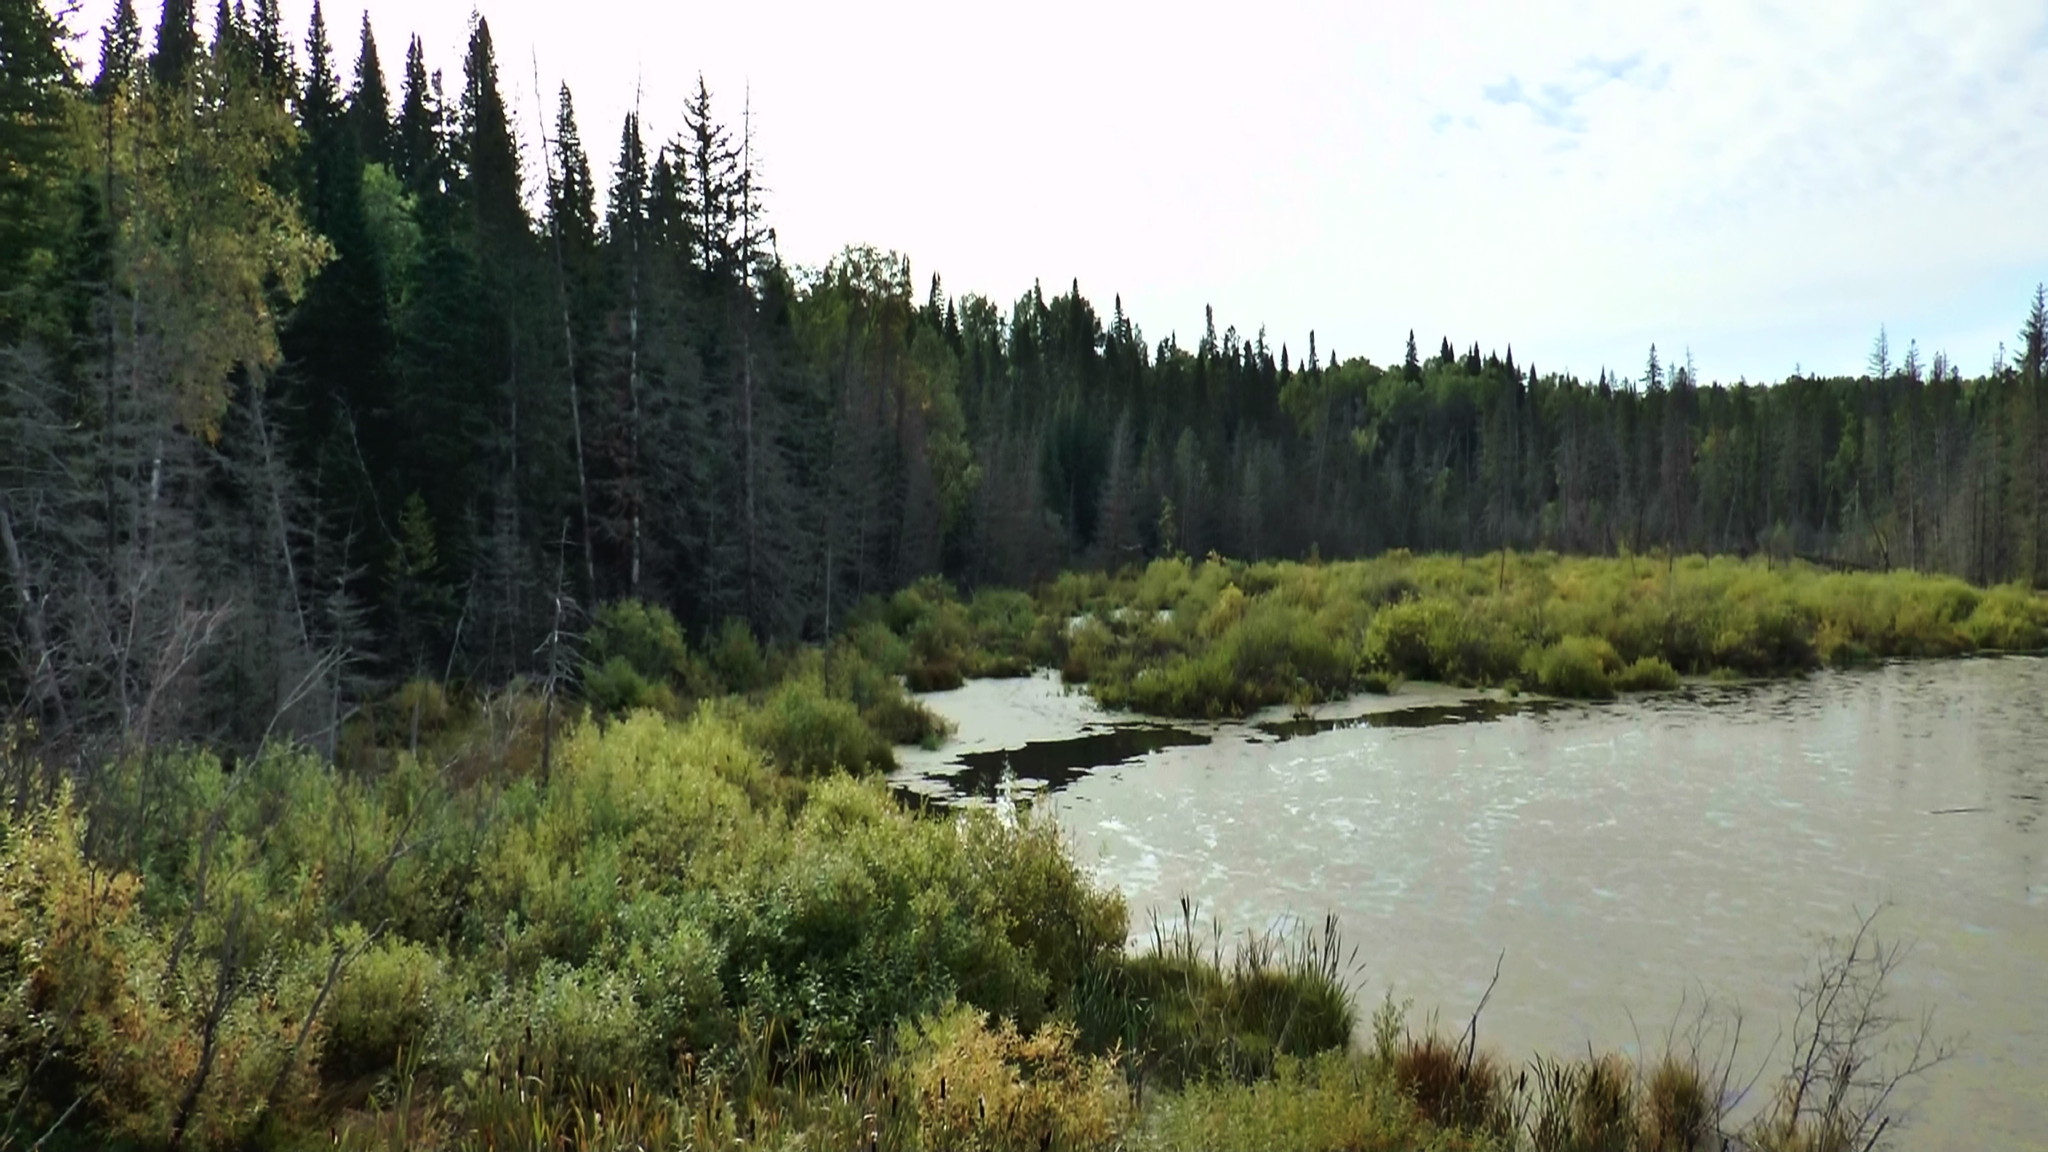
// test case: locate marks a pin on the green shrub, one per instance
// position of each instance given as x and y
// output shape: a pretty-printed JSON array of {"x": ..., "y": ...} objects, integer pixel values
[
  {"x": 879, "y": 646},
  {"x": 1649, "y": 674},
  {"x": 617, "y": 686},
  {"x": 737, "y": 660},
  {"x": 881, "y": 700},
  {"x": 385, "y": 1001},
  {"x": 2009, "y": 619},
  {"x": 1576, "y": 667},
  {"x": 575, "y": 1025},
  {"x": 646, "y": 640},
  {"x": 807, "y": 733}
]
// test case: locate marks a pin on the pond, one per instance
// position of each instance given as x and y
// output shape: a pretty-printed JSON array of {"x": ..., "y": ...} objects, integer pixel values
[{"x": 1618, "y": 861}]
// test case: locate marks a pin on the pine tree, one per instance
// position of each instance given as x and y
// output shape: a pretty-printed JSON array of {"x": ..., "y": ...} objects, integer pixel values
[
  {"x": 487, "y": 154},
  {"x": 1881, "y": 357},
  {"x": 572, "y": 223},
  {"x": 273, "y": 52},
  {"x": 34, "y": 77},
  {"x": 177, "y": 44},
  {"x": 418, "y": 154},
  {"x": 320, "y": 97},
  {"x": 626, "y": 231},
  {"x": 2034, "y": 385},
  {"x": 710, "y": 184},
  {"x": 120, "y": 49},
  {"x": 369, "y": 104}
]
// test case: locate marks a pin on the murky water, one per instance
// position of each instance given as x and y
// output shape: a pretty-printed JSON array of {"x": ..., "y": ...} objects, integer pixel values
[{"x": 1624, "y": 857}]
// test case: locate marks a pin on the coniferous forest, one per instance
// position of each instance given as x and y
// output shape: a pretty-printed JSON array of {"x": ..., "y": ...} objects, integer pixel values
[
  {"x": 317, "y": 419},
  {"x": 306, "y": 390}
]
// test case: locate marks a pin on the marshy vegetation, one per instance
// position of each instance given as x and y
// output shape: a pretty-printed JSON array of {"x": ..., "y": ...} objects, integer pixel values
[
  {"x": 685, "y": 912},
  {"x": 1220, "y": 638}
]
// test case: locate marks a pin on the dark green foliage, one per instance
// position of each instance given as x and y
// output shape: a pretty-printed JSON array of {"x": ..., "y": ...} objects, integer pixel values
[
  {"x": 34, "y": 81},
  {"x": 637, "y": 658},
  {"x": 736, "y": 658},
  {"x": 806, "y": 732}
]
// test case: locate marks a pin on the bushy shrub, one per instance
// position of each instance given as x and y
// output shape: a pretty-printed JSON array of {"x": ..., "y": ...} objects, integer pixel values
[
  {"x": 1575, "y": 667},
  {"x": 737, "y": 660},
  {"x": 1649, "y": 674},
  {"x": 807, "y": 733},
  {"x": 983, "y": 1086},
  {"x": 617, "y": 686},
  {"x": 880, "y": 699},
  {"x": 570, "y": 1024},
  {"x": 2009, "y": 619},
  {"x": 385, "y": 1001}
]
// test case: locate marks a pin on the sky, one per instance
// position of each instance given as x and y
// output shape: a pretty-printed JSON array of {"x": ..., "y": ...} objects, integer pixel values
[{"x": 1760, "y": 185}]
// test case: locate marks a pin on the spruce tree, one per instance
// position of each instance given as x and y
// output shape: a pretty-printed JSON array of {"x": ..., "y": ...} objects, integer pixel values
[
  {"x": 34, "y": 75},
  {"x": 417, "y": 150},
  {"x": 369, "y": 103},
  {"x": 320, "y": 97},
  {"x": 487, "y": 153},
  {"x": 177, "y": 44},
  {"x": 120, "y": 49},
  {"x": 273, "y": 52}
]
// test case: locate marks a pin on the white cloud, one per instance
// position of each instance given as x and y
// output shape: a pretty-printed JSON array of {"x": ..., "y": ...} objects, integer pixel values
[{"x": 1766, "y": 183}]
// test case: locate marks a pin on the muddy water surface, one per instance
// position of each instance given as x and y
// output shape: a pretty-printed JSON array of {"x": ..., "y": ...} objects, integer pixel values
[{"x": 1624, "y": 857}]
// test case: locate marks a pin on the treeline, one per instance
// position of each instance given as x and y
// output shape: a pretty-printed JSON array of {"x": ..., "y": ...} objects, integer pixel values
[{"x": 304, "y": 393}]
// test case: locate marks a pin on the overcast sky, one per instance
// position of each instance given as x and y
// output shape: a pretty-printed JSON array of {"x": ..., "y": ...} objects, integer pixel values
[{"x": 1763, "y": 184}]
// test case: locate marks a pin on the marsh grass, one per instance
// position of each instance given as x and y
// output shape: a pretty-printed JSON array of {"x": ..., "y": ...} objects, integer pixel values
[
  {"x": 1194, "y": 1005},
  {"x": 1218, "y": 638}
]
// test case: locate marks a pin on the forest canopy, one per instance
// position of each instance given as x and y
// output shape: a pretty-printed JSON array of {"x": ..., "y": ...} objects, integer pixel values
[{"x": 305, "y": 393}]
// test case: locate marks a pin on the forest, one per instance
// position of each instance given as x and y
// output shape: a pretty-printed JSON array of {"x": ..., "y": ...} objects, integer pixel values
[
  {"x": 306, "y": 395},
  {"x": 394, "y": 553}
]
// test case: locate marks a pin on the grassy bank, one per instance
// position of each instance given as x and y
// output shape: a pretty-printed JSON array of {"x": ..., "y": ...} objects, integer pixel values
[
  {"x": 678, "y": 908},
  {"x": 1222, "y": 639},
  {"x": 504, "y": 923},
  {"x": 664, "y": 941}
]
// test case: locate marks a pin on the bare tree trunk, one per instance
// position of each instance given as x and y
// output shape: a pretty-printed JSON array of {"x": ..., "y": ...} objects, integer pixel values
[
  {"x": 44, "y": 675},
  {"x": 568, "y": 346},
  {"x": 633, "y": 493}
]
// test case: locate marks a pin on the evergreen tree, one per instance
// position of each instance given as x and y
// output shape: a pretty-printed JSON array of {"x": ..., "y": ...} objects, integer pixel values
[
  {"x": 177, "y": 44},
  {"x": 273, "y": 51},
  {"x": 320, "y": 97},
  {"x": 487, "y": 155},
  {"x": 34, "y": 79},
  {"x": 418, "y": 153},
  {"x": 120, "y": 49},
  {"x": 369, "y": 104}
]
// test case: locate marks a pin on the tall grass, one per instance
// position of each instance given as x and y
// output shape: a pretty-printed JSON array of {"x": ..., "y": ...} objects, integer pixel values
[{"x": 1218, "y": 638}]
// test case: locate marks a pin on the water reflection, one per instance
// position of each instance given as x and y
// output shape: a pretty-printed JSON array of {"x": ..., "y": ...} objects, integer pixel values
[{"x": 1054, "y": 764}]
